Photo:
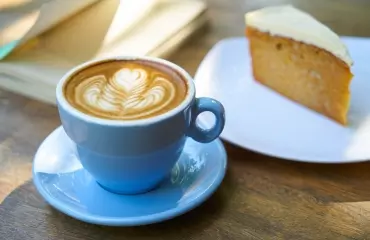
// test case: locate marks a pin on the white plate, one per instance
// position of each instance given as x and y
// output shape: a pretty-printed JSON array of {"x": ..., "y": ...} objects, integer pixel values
[{"x": 263, "y": 121}]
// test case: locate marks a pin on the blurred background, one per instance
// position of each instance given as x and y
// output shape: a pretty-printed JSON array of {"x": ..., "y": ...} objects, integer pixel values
[{"x": 41, "y": 39}]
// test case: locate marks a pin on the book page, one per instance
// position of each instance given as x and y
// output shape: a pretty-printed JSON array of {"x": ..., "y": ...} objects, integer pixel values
[
  {"x": 76, "y": 41},
  {"x": 17, "y": 17},
  {"x": 22, "y": 20},
  {"x": 154, "y": 29}
]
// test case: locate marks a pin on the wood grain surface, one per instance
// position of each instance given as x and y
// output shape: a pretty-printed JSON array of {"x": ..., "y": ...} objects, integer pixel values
[{"x": 260, "y": 198}]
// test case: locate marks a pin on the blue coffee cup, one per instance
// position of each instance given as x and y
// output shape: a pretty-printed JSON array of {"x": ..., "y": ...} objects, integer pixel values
[{"x": 134, "y": 156}]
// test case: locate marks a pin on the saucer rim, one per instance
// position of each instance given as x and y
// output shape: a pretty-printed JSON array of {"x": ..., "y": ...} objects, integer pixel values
[{"x": 132, "y": 221}]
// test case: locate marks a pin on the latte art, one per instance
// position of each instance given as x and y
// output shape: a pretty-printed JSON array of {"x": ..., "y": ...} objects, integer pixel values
[{"x": 129, "y": 93}]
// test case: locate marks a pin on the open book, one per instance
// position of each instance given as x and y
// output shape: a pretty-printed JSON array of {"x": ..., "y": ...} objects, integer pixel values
[{"x": 38, "y": 46}]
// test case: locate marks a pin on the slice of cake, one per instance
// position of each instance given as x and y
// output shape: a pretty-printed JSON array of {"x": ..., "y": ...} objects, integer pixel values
[{"x": 300, "y": 58}]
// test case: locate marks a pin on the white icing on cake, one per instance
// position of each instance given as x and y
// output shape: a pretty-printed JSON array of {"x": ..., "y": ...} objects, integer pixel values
[{"x": 287, "y": 21}]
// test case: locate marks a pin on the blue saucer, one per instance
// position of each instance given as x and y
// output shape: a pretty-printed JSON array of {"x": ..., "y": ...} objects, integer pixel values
[{"x": 62, "y": 181}]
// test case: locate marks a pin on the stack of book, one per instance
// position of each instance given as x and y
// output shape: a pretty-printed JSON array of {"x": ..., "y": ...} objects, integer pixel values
[{"x": 41, "y": 40}]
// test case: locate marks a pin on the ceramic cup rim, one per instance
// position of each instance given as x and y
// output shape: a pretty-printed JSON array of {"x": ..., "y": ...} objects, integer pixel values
[{"x": 62, "y": 101}]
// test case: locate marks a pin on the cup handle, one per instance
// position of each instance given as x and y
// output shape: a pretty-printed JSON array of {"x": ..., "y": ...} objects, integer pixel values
[{"x": 205, "y": 104}]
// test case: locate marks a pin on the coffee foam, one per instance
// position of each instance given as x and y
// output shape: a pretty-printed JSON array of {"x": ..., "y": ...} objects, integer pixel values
[{"x": 125, "y": 90}]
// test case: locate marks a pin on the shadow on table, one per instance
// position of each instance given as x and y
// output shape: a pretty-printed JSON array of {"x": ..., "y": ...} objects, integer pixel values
[
  {"x": 24, "y": 207},
  {"x": 327, "y": 183}
]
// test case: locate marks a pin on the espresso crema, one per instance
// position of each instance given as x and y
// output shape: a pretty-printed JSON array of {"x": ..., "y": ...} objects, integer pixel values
[{"x": 125, "y": 89}]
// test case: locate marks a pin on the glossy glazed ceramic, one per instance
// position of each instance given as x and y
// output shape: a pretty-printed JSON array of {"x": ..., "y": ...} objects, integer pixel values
[
  {"x": 132, "y": 157},
  {"x": 261, "y": 120},
  {"x": 63, "y": 182}
]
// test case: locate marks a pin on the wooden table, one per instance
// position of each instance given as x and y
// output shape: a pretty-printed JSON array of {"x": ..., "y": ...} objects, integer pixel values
[{"x": 260, "y": 197}]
